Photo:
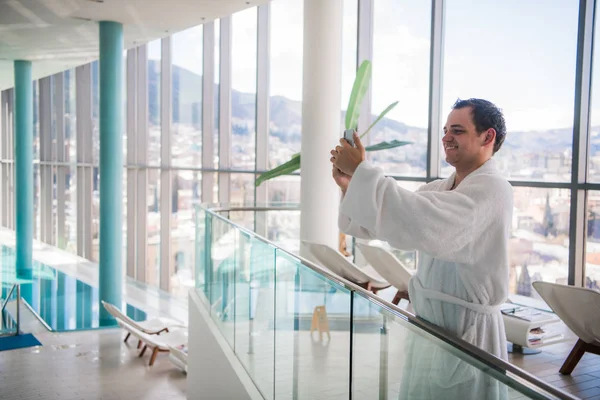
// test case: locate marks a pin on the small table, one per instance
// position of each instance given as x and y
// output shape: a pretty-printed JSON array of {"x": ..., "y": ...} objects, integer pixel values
[{"x": 527, "y": 329}]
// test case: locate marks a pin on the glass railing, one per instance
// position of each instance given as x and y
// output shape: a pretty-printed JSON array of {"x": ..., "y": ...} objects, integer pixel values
[{"x": 302, "y": 333}]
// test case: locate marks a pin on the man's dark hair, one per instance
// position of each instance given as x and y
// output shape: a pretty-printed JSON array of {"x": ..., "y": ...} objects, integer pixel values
[{"x": 485, "y": 116}]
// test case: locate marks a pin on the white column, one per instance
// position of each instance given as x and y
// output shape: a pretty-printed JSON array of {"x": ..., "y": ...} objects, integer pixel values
[{"x": 321, "y": 120}]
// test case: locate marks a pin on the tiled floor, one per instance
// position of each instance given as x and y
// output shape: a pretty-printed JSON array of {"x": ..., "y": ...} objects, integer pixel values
[{"x": 87, "y": 365}]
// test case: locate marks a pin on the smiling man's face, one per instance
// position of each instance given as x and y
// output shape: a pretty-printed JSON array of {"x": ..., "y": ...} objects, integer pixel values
[{"x": 463, "y": 146}]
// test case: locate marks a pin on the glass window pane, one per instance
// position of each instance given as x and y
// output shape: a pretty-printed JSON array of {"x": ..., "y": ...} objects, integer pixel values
[
  {"x": 524, "y": 62},
  {"x": 37, "y": 220},
  {"x": 217, "y": 93},
  {"x": 154, "y": 71},
  {"x": 349, "y": 53},
  {"x": 186, "y": 98},
  {"x": 243, "y": 94},
  {"x": 153, "y": 227},
  {"x": 71, "y": 209},
  {"x": 36, "y": 121},
  {"x": 242, "y": 189},
  {"x": 285, "y": 111},
  {"x": 539, "y": 242},
  {"x": 594, "y": 160},
  {"x": 95, "y": 112},
  {"x": 185, "y": 192},
  {"x": 284, "y": 190},
  {"x": 401, "y": 38}
]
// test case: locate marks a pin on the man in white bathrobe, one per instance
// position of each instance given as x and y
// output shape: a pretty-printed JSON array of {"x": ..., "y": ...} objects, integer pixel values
[{"x": 460, "y": 226}]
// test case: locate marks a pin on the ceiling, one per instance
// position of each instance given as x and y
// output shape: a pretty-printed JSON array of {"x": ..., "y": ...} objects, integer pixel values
[{"x": 60, "y": 34}]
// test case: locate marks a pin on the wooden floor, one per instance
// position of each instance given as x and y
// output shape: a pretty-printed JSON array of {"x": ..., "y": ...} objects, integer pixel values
[{"x": 584, "y": 381}]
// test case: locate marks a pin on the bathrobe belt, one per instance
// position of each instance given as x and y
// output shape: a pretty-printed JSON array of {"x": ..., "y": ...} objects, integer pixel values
[{"x": 430, "y": 294}]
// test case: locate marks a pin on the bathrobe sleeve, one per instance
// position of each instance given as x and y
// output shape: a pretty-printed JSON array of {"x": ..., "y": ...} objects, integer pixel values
[{"x": 449, "y": 225}]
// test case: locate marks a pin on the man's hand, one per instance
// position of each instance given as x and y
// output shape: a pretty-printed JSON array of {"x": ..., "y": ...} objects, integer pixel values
[
  {"x": 347, "y": 158},
  {"x": 341, "y": 179}
]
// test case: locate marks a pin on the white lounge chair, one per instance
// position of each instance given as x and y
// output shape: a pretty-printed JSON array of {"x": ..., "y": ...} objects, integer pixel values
[
  {"x": 389, "y": 267},
  {"x": 334, "y": 261},
  {"x": 158, "y": 343},
  {"x": 153, "y": 326},
  {"x": 579, "y": 309}
]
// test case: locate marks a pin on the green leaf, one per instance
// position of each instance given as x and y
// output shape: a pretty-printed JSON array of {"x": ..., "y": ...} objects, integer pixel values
[
  {"x": 386, "y": 145},
  {"x": 387, "y": 110},
  {"x": 284, "y": 169},
  {"x": 361, "y": 84}
]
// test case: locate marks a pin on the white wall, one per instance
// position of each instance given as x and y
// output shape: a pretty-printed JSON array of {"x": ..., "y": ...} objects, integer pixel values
[{"x": 213, "y": 370}]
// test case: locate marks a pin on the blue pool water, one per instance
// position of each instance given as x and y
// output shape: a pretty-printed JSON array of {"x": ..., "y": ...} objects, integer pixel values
[{"x": 63, "y": 302}]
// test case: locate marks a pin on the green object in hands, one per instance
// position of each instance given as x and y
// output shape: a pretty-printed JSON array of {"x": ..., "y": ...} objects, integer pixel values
[{"x": 359, "y": 89}]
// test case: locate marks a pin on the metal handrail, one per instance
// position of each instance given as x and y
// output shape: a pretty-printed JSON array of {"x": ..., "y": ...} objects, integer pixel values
[
  {"x": 440, "y": 333},
  {"x": 36, "y": 315},
  {"x": 18, "y": 321},
  {"x": 8, "y": 297}
]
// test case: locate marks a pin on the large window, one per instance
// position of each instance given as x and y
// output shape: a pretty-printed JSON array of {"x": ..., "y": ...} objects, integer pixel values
[{"x": 518, "y": 54}]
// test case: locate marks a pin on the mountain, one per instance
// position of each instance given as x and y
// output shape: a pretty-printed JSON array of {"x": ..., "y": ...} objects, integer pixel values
[{"x": 286, "y": 116}]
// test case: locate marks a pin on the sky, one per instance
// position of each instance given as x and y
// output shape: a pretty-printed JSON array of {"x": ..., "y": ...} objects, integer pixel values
[{"x": 519, "y": 54}]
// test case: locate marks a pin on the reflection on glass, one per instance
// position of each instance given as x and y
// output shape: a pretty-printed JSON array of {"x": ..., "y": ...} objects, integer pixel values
[
  {"x": 537, "y": 102},
  {"x": 401, "y": 51},
  {"x": 186, "y": 98},
  {"x": 243, "y": 93},
  {"x": 539, "y": 241},
  {"x": 592, "y": 257}
]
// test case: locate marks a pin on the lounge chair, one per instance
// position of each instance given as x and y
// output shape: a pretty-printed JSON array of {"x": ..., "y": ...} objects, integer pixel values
[
  {"x": 579, "y": 309},
  {"x": 153, "y": 326},
  {"x": 157, "y": 343},
  {"x": 389, "y": 267},
  {"x": 335, "y": 262}
]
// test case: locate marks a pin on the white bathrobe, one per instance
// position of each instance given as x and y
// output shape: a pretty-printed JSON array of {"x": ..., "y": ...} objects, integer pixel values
[{"x": 462, "y": 237}]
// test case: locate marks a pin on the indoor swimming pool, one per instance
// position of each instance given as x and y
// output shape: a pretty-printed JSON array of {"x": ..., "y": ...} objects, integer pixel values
[{"x": 62, "y": 302}]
